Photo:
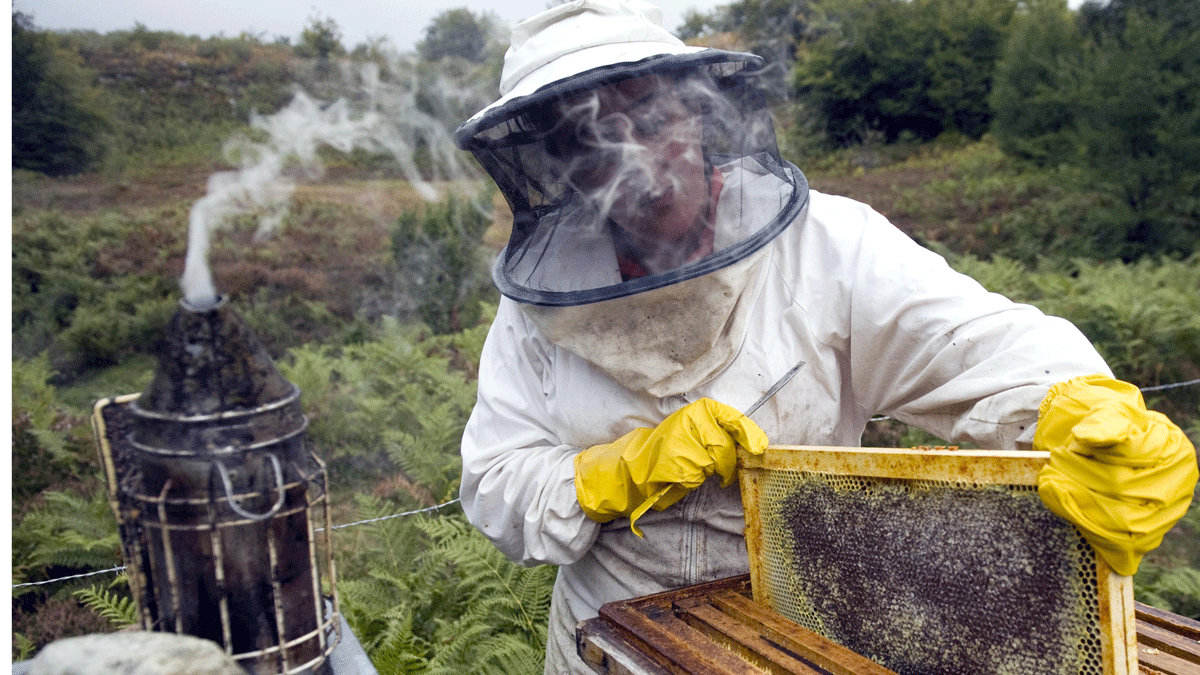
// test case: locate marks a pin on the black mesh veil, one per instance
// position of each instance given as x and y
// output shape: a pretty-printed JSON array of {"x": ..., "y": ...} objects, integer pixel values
[{"x": 582, "y": 162}]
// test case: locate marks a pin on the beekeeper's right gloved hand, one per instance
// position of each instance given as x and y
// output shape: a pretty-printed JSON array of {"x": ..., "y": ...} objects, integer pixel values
[
  {"x": 654, "y": 468},
  {"x": 1121, "y": 473}
]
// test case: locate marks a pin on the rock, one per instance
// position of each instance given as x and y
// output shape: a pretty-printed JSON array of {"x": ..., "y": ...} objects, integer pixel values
[{"x": 134, "y": 653}]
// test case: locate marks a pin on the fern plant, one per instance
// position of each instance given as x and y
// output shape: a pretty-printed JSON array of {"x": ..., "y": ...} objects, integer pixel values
[
  {"x": 69, "y": 533},
  {"x": 118, "y": 608},
  {"x": 398, "y": 402},
  {"x": 51, "y": 444},
  {"x": 504, "y": 607},
  {"x": 1143, "y": 317},
  {"x": 432, "y": 595}
]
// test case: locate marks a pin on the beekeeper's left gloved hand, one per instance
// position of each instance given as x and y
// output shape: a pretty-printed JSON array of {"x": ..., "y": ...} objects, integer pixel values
[
  {"x": 1124, "y": 475},
  {"x": 656, "y": 467}
]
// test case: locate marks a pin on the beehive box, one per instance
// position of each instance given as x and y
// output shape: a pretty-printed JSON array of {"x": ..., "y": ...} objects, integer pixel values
[{"x": 932, "y": 562}]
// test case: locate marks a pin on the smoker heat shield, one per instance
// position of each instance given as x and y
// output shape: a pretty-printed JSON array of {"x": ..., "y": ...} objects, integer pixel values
[
  {"x": 932, "y": 562},
  {"x": 218, "y": 501}
]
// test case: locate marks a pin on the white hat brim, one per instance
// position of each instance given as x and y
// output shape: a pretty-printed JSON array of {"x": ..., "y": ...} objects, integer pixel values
[{"x": 574, "y": 63}]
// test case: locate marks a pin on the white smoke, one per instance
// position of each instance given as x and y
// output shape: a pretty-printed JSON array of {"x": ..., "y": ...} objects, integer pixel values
[{"x": 378, "y": 114}]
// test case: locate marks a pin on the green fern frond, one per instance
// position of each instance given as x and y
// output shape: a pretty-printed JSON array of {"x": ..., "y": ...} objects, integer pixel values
[
  {"x": 53, "y": 441},
  {"x": 506, "y": 596},
  {"x": 69, "y": 531},
  {"x": 500, "y": 654},
  {"x": 120, "y": 610},
  {"x": 23, "y": 647},
  {"x": 1175, "y": 590},
  {"x": 76, "y": 559}
]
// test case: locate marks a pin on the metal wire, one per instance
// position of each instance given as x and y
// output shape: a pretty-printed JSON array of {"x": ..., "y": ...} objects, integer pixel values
[
  {"x": 1171, "y": 386},
  {"x": 119, "y": 568},
  {"x": 1174, "y": 385},
  {"x": 319, "y": 529},
  {"x": 394, "y": 515}
]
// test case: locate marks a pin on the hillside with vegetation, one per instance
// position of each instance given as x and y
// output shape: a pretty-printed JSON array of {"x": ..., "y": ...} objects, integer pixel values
[{"x": 1047, "y": 152}]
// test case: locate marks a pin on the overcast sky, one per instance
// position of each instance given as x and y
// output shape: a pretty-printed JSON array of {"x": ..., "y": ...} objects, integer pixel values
[{"x": 403, "y": 21}]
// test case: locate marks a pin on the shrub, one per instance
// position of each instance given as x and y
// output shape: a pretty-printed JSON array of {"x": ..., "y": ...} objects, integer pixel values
[
  {"x": 439, "y": 261},
  {"x": 91, "y": 290},
  {"x": 1031, "y": 97},
  {"x": 57, "y": 123}
]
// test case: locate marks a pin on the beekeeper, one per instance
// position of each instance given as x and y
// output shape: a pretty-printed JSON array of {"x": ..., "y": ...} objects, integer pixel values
[{"x": 667, "y": 269}]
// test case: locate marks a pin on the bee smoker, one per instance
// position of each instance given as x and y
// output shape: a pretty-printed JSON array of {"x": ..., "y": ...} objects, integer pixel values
[{"x": 217, "y": 497}]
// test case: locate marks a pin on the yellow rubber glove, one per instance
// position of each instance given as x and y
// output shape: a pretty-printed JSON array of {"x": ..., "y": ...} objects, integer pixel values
[
  {"x": 654, "y": 468},
  {"x": 1120, "y": 473}
]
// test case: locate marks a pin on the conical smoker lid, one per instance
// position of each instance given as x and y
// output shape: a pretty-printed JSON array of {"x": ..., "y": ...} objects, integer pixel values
[{"x": 211, "y": 362}]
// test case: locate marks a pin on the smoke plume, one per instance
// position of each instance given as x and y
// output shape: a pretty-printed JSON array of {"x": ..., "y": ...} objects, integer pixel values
[{"x": 396, "y": 109}]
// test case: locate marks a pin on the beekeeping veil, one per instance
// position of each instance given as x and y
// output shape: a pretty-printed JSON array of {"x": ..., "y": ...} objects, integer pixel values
[{"x": 645, "y": 185}]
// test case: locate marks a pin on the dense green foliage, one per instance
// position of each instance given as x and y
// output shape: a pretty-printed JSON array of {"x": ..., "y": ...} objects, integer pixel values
[
  {"x": 90, "y": 291},
  {"x": 1031, "y": 96},
  {"x": 1114, "y": 95},
  {"x": 449, "y": 603},
  {"x": 461, "y": 34},
  {"x": 900, "y": 68},
  {"x": 321, "y": 39},
  {"x": 772, "y": 29},
  {"x": 1143, "y": 318},
  {"x": 427, "y": 595},
  {"x": 57, "y": 122}
]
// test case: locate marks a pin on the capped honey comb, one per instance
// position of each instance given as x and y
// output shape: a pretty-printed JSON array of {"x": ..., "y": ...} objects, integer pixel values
[{"x": 932, "y": 562}]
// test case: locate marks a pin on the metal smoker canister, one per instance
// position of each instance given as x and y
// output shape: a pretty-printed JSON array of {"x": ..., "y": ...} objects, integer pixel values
[{"x": 219, "y": 489}]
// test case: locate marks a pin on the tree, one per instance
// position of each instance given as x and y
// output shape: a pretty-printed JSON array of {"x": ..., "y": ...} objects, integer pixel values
[
  {"x": 1032, "y": 95},
  {"x": 57, "y": 125},
  {"x": 321, "y": 38},
  {"x": 1138, "y": 132},
  {"x": 772, "y": 29},
  {"x": 457, "y": 33},
  {"x": 1098, "y": 19},
  {"x": 895, "y": 66},
  {"x": 1118, "y": 101}
]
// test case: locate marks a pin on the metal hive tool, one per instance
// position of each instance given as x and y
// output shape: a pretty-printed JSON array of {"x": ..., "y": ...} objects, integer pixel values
[{"x": 932, "y": 562}]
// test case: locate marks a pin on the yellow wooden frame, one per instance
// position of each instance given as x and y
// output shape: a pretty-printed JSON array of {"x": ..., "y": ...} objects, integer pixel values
[{"x": 982, "y": 467}]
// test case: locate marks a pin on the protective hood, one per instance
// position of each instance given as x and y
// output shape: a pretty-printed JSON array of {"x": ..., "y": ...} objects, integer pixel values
[{"x": 626, "y": 158}]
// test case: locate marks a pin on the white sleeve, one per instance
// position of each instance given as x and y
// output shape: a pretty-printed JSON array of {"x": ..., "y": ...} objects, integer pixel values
[
  {"x": 935, "y": 349},
  {"x": 518, "y": 479}
]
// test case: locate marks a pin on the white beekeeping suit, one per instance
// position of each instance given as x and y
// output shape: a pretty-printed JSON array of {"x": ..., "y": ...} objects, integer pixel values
[{"x": 592, "y": 341}]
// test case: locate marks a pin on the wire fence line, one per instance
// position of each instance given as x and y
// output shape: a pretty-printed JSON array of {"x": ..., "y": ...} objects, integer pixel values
[
  {"x": 439, "y": 507},
  {"x": 1161, "y": 387},
  {"x": 1174, "y": 385},
  {"x": 121, "y": 568},
  {"x": 118, "y": 568}
]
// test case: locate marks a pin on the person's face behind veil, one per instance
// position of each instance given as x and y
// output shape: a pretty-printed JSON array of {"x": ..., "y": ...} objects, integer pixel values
[{"x": 634, "y": 150}]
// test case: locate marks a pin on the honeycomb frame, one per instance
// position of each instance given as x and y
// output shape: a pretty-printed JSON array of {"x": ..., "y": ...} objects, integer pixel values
[{"x": 785, "y": 476}]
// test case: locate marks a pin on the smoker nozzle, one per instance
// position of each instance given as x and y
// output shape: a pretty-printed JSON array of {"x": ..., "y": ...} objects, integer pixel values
[{"x": 211, "y": 362}]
